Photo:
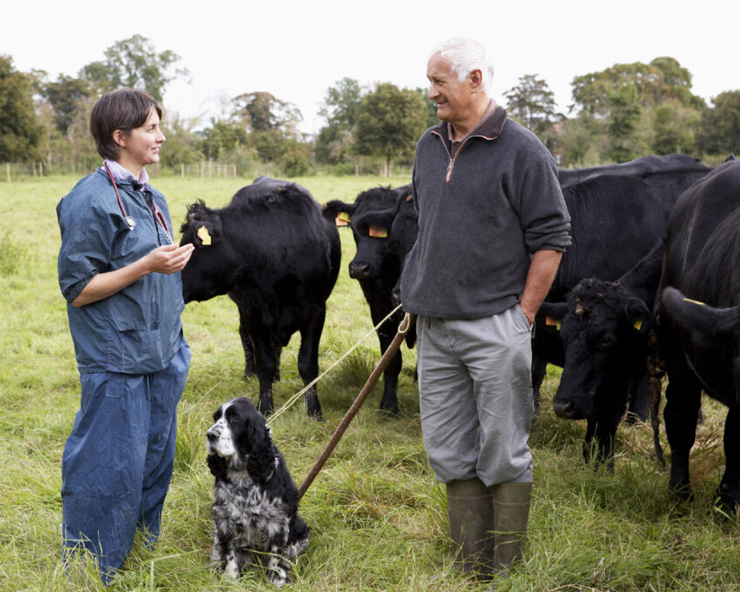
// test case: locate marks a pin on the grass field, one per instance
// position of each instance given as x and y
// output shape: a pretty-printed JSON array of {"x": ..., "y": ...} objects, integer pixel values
[{"x": 378, "y": 518}]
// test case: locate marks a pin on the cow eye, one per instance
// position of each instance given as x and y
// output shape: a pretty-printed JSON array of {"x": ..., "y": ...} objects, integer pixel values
[{"x": 606, "y": 341}]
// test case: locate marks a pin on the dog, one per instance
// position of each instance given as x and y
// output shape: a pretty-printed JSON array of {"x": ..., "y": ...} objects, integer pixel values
[{"x": 255, "y": 506}]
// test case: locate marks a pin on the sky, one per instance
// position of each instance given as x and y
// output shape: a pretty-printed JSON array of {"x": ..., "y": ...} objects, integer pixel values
[{"x": 296, "y": 50}]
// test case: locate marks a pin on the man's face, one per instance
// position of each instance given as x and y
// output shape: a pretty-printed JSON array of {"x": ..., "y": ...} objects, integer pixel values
[{"x": 453, "y": 98}]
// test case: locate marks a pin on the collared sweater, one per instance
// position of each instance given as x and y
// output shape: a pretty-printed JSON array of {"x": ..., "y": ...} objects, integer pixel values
[{"x": 483, "y": 213}]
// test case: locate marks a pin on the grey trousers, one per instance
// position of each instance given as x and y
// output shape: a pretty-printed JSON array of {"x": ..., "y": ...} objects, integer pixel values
[{"x": 475, "y": 389}]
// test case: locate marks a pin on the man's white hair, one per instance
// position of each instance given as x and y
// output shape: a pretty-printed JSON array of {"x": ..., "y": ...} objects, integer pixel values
[{"x": 465, "y": 55}]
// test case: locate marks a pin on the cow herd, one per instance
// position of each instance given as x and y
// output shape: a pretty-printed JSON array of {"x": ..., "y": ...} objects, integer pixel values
[{"x": 650, "y": 286}]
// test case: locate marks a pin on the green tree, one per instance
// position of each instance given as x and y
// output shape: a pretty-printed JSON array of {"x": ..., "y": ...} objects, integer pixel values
[
  {"x": 20, "y": 131},
  {"x": 624, "y": 116},
  {"x": 532, "y": 103},
  {"x": 262, "y": 112},
  {"x": 719, "y": 131},
  {"x": 66, "y": 97},
  {"x": 182, "y": 146},
  {"x": 389, "y": 122},
  {"x": 341, "y": 103},
  {"x": 222, "y": 137},
  {"x": 134, "y": 63},
  {"x": 673, "y": 127},
  {"x": 339, "y": 109}
]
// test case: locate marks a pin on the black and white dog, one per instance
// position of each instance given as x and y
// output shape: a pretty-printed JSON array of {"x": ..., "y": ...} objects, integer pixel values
[{"x": 255, "y": 506}]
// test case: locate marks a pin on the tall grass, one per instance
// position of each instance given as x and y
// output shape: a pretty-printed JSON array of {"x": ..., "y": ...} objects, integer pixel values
[{"x": 378, "y": 518}]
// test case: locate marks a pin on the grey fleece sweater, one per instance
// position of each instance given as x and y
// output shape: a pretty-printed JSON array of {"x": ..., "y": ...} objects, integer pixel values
[{"x": 482, "y": 214}]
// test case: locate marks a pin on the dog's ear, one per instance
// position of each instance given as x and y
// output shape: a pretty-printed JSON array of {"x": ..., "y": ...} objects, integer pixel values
[
  {"x": 261, "y": 462},
  {"x": 217, "y": 465}
]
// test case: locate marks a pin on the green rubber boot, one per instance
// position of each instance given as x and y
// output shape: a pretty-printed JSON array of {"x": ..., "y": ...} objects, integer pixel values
[
  {"x": 511, "y": 513},
  {"x": 470, "y": 515}
]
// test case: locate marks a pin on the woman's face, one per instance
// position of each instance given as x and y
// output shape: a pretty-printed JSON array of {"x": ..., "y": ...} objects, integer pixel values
[{"x": 140, "y": 146}]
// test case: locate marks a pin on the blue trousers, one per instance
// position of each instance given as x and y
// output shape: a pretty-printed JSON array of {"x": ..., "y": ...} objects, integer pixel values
[{"x": 118, "y": 460}]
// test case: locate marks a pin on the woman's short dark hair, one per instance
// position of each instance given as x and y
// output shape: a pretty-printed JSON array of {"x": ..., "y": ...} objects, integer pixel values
[{"x": 124, "y": 109}]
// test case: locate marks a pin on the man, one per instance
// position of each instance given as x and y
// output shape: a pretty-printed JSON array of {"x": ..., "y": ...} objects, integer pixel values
[{"x": 492, "y": 229}]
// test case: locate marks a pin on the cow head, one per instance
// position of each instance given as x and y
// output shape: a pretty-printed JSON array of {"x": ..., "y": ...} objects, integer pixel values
[
  {"x": 370, "y": 217},
  {"x": 604, "y": 331},
  {"x": 208, "y": 273}
]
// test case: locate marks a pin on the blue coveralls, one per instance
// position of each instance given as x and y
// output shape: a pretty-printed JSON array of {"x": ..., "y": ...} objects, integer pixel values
[{"x": 133, "y": 362}]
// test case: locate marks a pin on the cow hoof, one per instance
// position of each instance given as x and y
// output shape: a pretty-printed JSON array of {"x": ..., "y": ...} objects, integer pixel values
[
  {"x": 726, "y": 503},
  {"x": 389, "y": 409},
  {"x": 313, "y": 408},
  {"x": 267, "y": 406}
]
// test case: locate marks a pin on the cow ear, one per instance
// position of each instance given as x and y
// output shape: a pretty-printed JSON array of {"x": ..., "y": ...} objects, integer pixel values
[
  {"x": 638, "y": 314},
  {"x": 207, "y": 231},
  {"x": 338, "y": 211},
  {"x": 705, "y": 326},
  {"x": 550, "y": 314}
]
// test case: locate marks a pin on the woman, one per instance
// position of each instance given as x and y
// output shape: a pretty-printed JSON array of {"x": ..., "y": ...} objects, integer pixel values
[{"x": 119, "y": 272}]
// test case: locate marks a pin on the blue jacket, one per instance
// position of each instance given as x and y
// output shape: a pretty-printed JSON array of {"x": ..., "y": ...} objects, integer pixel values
[{"x": 137, "y": 330}]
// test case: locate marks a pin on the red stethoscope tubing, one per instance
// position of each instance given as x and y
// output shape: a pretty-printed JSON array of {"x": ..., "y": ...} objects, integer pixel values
[{"x": 157, "y": 214}]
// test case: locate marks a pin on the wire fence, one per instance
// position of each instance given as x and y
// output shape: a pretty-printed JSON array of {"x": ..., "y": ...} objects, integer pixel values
[{"x": 10, "y": 172}]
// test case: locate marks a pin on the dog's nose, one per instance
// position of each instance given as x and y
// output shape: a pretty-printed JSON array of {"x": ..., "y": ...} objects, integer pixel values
[{"x": 212, "y": 435}]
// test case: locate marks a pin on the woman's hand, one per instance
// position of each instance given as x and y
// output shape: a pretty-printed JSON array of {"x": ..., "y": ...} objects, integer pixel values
[{"x": 169, "y": 259}]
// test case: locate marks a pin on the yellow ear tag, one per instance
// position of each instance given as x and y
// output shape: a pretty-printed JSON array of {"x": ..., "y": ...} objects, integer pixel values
[
  {"x": 378, "y": 231},
  {"x": 204, "y": 237},
  {"x": 342, "y": 219},
  {"x": 694, "y": 301},
  {"x": 638, "y": 323}
]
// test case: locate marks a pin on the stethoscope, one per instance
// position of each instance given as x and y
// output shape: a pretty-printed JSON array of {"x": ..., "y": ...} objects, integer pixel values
[{"x": 158, "y": 217}]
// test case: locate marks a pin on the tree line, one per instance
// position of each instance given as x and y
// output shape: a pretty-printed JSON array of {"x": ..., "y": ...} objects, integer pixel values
[{"x": 620, "y": 113}]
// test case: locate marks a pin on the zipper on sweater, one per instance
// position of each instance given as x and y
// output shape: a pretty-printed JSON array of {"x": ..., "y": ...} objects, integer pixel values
[{"x": 451, "y": 164}]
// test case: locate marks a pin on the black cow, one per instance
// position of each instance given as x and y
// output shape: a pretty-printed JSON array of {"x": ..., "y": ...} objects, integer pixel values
[
  {"x": 377, "y": 267},
  {"x": 277, "y": 258},
  {"x": 615, "y": 221},
  {"x": 404, "y": 232},
  {"x": 698, "y": 325},
  {"x": 605, "y": 327},
  {"x": 640, "y": 166}
]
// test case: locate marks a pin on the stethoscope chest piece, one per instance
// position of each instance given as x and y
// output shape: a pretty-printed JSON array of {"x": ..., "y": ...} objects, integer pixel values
[{"x": 131, "y": 222}]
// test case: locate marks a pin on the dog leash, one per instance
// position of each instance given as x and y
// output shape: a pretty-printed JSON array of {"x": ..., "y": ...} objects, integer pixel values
[
  {"x": 290, "y": 402},
  {"x": 403, "y": 329}
]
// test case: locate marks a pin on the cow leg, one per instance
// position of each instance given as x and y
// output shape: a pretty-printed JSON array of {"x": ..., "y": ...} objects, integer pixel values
[
  {"x": 247, "y": 346},
  {"x": 308, "y": 360},
  {"x": 389, "y": 400},
  {"x": 386, "y": 332},
  {"x": 266, "y": 367},
  {"x": 683, "y": 397},
  {"x": 539, "y": 371},
  {"x": 606, "y": 436},
  {"x": 638, "y": 402},
  {"x": 729, "y": 488},
  {"x": 588, "y": 440}
]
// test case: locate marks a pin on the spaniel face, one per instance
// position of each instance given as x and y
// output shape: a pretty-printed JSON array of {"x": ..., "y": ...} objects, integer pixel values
[
  {"x": 236, "y": 422},
  {"x": 255, "y": 507}
]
